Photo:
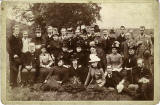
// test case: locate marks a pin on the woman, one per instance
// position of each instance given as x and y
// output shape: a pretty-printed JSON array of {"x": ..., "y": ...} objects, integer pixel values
[
  {"x": 78, "y": 72},
  {"x": 56, "y": 77},
  {"x": 129, "y": 63},
  {"x": 115, "y": 59},
  {"x": 95, "y": 77}
]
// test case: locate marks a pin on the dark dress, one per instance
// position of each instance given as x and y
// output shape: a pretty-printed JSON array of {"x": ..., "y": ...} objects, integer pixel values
[
  {"x": 79, "y": 72},
  {"x": 66, "y": 56},
  {"x": 130, "y": 62},
  {"x": 82, "y": 58}
]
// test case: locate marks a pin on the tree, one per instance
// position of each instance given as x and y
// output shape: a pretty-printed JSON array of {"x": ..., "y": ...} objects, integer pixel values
[{"x": 65, "y": 14}]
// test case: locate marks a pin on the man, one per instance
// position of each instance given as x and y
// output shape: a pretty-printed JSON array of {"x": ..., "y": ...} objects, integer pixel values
[
  {"x": 76, "y": 38},
  {"x": 126, "y": 44},
  {"x": 121, "y": 38},
  {"x": 107, "y": 42},
  {"x": 15, "y": 48},
  {"x": 49, "y": 39},
  {"x": 143, "y": 42},
  {"x": 142, "y": 77}
]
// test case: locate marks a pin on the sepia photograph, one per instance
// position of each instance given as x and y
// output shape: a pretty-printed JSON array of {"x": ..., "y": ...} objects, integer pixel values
[{"x": 91, "y": 51}]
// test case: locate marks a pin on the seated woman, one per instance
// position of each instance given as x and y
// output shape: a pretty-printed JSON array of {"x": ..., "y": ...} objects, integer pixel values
[
  {"x": 100, "y": 53},
  {"x": 58, "y": 75},
  {"x": 78, "y": 72},
  {"x": 95, "y": 78},
  {"x": 46, "y": 62},
  {"x": 129, "y": 63},
  {"x": 114, "y": 60},
  {"x": 65, "y": 55}
]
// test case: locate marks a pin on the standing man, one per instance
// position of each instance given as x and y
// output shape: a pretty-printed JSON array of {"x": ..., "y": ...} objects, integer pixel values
[
  {"x": 107, "y": 42},
  {"x": 143, "y": 42},
  {"x": 121, "y": 38},
  {"x": 49, "y": 39},
  {"x": 15, "y": 48}
]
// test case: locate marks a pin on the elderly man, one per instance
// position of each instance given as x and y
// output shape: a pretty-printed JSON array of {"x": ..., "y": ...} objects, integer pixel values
[
  {"x": 142, "y": 77},
  {"x": 15, "y": 48},
  {"x": 143, "y": 42}
]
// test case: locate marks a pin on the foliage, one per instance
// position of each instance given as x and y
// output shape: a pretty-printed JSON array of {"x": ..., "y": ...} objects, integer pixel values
[{"x": 65, "y": 15}]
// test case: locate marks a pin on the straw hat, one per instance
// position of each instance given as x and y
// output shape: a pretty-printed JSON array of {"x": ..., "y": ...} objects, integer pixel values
[{"x": 94, "y": 58}]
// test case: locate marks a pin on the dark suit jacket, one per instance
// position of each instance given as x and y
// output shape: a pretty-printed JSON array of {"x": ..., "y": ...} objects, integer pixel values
[
  {"x": 138, "y": 73},
  {"x": 15, "y": 47},
  {"x": 108, "y": 45}
]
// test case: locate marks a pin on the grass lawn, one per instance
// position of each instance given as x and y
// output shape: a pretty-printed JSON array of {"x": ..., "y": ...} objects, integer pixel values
[{"x": 28, "y": 94}]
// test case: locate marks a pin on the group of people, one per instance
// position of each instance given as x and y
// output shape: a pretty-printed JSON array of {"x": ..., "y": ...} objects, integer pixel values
[{"x": 95, "y": 60}]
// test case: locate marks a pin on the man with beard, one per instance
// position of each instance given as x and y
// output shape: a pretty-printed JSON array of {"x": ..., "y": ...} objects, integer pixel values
[
  {"x": 15, "y": 48},
  {"x": 142, "y": 77}
]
